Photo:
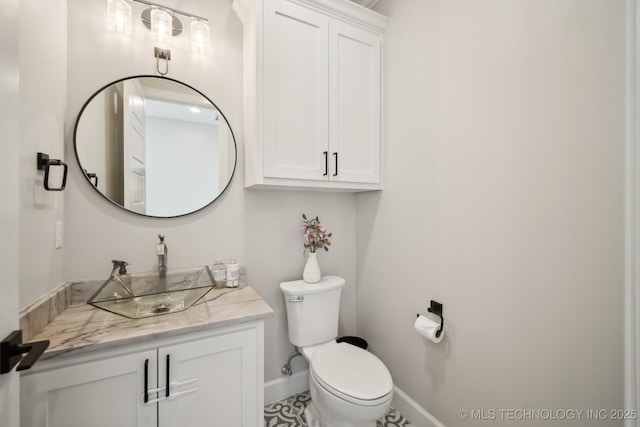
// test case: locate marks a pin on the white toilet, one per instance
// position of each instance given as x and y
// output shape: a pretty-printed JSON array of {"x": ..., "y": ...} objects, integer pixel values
[{"x": 349, "y": 386}]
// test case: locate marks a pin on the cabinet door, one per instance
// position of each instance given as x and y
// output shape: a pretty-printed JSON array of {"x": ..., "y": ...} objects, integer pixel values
[
  {"x": 295, "y": 92},
  {"x": 104, "y": 393},
  {"x": 212, "y": 382},
  {"x": 355, "y": 86}
]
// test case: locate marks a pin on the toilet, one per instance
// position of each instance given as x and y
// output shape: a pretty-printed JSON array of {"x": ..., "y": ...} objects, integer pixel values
[{"x": 349, "y": 386}]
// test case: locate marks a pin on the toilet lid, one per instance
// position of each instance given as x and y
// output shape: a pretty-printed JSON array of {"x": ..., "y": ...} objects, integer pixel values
[{"x": 351, "y": 371}]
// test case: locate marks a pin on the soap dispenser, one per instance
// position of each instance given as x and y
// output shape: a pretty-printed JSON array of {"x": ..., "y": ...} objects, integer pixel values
[
  {"x": 233, "y": 273},
  {"x": 219, "y": 270}
]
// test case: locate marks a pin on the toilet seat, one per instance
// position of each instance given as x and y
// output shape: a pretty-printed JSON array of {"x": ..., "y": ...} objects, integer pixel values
[{"x": 352, "y": 374}]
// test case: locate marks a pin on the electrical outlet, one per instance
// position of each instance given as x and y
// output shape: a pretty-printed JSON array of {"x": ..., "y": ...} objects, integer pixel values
[{"x": 59, "y": 234}]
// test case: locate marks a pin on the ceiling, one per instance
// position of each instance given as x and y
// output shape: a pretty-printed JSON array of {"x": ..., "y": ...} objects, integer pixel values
[{"x": 370, "y": 4}]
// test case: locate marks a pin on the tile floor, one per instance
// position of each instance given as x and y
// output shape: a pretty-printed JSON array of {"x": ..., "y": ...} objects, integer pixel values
[{"x": 290, "y": 413}]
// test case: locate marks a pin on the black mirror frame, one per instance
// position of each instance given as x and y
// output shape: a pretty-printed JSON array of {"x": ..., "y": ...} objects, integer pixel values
[{"x": 88, "y": 178}]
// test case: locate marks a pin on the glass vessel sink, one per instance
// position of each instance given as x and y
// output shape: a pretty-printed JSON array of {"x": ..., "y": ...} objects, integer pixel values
[{"x": 141, "y": 295}]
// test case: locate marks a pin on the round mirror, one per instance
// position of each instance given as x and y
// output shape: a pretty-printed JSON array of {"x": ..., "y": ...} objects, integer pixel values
[{"x": 155, "y": 146}]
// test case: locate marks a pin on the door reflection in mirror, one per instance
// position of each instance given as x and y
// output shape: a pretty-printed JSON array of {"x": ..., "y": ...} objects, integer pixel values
[{"x": 159, "y": 147}]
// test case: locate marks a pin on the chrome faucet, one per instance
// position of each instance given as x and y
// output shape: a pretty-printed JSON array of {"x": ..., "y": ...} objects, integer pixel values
[{"x": 162, "y": 263}]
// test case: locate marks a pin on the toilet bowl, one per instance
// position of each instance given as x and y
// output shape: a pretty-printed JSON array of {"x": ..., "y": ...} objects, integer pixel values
[{"x": 349, "y": 386}]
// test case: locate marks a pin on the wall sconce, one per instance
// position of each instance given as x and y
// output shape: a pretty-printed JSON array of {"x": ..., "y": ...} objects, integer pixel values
[
  {"x": 119, "y": 16},
  {"x": 161, "y": 20},
  {"x": 199, "y": 36},
  {"x": 161, "y": 25}
]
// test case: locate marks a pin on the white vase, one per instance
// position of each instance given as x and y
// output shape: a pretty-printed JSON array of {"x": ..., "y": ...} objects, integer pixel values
[{"x": 311, "y": 272}]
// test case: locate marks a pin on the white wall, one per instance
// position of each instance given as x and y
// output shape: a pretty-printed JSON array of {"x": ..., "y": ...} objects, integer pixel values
[
  {"x": 9, "y": 208},
  {"x": 503, "y": 200},
  {"x": 260, "y": 228},
  {"x": 43, "y": 83}
]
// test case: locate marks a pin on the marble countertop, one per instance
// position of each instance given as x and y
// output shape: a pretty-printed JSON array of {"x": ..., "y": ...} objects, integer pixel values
[{"x": 82, "y": 328}]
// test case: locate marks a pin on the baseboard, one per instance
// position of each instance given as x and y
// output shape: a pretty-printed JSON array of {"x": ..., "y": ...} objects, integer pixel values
[
  {"x": 286, "y": 386},
  {"x": 409, "y": 408}
]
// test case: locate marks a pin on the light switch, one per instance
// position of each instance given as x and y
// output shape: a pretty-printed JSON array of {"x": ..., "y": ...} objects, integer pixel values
[{"x": 59, "y": 234}]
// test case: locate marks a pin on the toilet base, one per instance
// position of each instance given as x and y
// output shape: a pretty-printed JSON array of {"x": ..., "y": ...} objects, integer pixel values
[
  {"x": 314, "y": 419},
  {"x": 312, "y": 416},
  {"x": 342, "y": 415}
]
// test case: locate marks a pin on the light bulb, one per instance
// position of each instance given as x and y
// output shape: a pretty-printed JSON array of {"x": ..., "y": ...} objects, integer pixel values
[
  {"x": 162, "y": 25},
  {"x": 199, "y": 36},
  {"x": 119, "y": 16}
]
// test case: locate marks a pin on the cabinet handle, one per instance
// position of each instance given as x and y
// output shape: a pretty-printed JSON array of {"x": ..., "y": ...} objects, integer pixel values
[
  {"x": 326, "y": 163},
  {"x": 168, "y": 370},
  {"x": 146, "y": 381},
  {"x": 335, "y": 156}
]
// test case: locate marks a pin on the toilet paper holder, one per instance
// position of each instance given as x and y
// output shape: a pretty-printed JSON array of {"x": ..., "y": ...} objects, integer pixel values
[{"x": 436, "y": 308}]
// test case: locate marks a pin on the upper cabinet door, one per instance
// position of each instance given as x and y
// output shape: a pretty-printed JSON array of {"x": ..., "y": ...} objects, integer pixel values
[
  {"x": 355, "y": 142},
  {"x": 296, "y": 97}
]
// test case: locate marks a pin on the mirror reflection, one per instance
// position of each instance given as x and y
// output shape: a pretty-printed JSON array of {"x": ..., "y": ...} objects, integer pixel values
[{"x": 155, "y": 146}]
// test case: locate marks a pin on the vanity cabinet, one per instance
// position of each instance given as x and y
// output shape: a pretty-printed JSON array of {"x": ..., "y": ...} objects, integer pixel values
[
  {"x": 215, "y": 378},
  {"x": 312, "y": 78}
]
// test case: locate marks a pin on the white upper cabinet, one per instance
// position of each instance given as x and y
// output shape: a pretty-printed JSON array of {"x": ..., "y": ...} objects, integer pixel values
[{"x": 312, "y": 94}]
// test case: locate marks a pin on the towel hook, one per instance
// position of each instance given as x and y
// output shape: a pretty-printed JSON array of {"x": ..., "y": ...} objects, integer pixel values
[
  {"x": 45, "y": 163},
  {"x": 436, "y": 308}
]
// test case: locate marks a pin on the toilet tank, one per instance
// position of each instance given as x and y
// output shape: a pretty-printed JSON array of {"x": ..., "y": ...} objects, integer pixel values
[{"x": 312, "y": 310}]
